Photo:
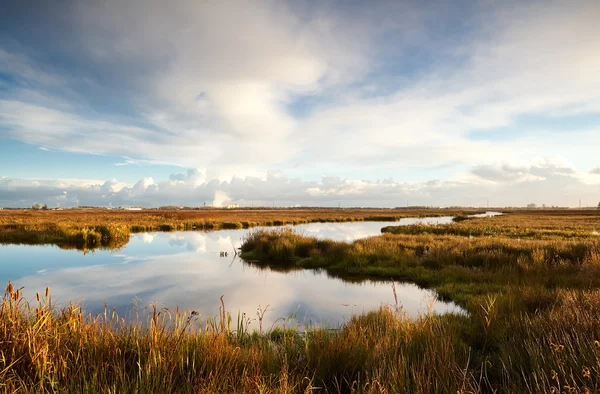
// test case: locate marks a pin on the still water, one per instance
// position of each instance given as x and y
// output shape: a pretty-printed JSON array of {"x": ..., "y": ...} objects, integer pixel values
[{"x": 186, "y": 269}]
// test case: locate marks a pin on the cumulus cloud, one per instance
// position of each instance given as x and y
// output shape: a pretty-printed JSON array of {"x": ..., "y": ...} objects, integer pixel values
[
  {"x": 595, "y": 171},
  {"x": 537, "y": 171},
  {"x": 221, "y": 199},
  {"x": 241, "y": 88},
  {"x": 203, "y": 79},
  {"x": 548, "y": 182},
  {"x": 234, "y": 90}
]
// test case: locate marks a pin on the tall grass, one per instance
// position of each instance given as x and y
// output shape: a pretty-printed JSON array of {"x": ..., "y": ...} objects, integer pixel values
[
  {"x": 47, "y": 350},
  {"x": 517, "y": 225},
  {"x": 457, "y": 267},
  {"x": 89, "y": 237},
  {"x": 92, "y": 228},
  {"x": 533, "y": 306},
  {"x": 495, "y": 349}
]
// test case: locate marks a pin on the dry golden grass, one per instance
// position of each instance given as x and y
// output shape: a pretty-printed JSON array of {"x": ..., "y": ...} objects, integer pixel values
[
  {"x": 537, "y": 224},
  {"x": 533, "y": 305},
  {"x": 92, "y": 228},
  {"x": 495, "y": 349},
  {"x": 155, "y": 217}
]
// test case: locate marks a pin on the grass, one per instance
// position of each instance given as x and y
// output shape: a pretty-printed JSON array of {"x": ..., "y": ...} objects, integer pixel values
[
  {"x": 88, "y": 237},
  {"x": 102, "y": 228},
  {"x": 517, "y": 224},
  {"x": 531, "y": 287},
  {"x": 457, "y": 267},
  {"x": 45, "y": 350},
  {"x": 533, "y": 306}
]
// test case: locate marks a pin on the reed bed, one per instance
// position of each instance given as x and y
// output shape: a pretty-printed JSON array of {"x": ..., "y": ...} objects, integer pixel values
[
  {"x": 533, "y": 303},
  {"x": 46, "y": 350},
  {"x": 515, "y": 224},
  {"x": 102, "y": 228},
  {"x": 457, "y": 267}
]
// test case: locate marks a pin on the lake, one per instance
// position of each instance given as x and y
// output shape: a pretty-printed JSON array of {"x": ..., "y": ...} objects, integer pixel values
[{"x": 188, "y": 270}]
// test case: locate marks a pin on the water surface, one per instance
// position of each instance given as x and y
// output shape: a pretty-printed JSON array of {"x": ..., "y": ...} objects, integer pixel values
[{"x": 186, "y": 269}]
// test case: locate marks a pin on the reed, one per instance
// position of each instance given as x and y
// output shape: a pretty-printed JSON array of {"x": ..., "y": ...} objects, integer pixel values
[
  {"x": 78, "y": 228},
  {"x": 450, "y": 264},
  {"x": 532, "y": 302},
  {"x": 494, "y": 349}
]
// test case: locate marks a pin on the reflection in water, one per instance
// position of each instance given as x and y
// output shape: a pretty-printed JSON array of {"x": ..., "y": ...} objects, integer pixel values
[{"x": 185, "y": 269}]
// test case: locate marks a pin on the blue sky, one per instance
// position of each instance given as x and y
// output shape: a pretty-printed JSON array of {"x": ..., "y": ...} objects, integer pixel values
[{"x": 313, "y": 103}]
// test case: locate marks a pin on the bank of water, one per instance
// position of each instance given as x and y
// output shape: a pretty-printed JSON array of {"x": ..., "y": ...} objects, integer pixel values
[{"x": 192, "y": 270}]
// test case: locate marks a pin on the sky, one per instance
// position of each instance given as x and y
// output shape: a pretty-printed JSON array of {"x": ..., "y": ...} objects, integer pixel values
[{"x": 311, "y": 103}]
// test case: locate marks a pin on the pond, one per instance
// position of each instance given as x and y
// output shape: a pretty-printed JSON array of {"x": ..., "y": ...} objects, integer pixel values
[{"x": 189, "y": 270}]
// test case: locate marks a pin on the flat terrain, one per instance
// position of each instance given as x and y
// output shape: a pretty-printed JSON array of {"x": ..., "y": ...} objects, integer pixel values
[
  {"x": 529, "y": 282},
  {"x": 98, "y": 216},
  {"x": 92, "y": 228}
]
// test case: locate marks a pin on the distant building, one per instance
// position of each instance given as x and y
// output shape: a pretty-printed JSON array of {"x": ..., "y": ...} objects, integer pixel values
[
  {"x": 531, "y": 206},
  {"x": 232, "y": 206}
]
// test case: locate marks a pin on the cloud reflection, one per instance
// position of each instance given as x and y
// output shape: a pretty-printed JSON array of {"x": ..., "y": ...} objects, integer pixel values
[{"x": 185, "y": 269}]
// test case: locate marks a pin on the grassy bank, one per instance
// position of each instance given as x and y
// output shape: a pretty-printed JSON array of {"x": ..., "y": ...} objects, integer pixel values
[
  {"x": 533, "y": 303},
  {"x": 45, "y": 350},
  {"x": 457, "y": 267},
  {"x": 93, "y": 228},
  {"x": 517, "y": 225},
  {"x": 532, "y": 298},
  {"x": 88, "y": 237}
]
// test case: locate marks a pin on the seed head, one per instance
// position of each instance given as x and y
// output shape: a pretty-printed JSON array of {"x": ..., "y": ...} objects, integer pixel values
[{"x": 586, "y": 372}]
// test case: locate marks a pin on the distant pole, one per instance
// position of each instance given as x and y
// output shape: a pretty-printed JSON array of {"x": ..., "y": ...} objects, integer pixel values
[
  {"x": 580, "y": 203},
  {"x": 488, "y": 203}
]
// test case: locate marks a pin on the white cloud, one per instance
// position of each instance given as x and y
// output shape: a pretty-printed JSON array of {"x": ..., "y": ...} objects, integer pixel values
[
  {"x": 550, "y": 182},
  {"x": 221, "y": 199},
  {"x": 218, "y": 86},
  {"x": 147, "y": 238}
]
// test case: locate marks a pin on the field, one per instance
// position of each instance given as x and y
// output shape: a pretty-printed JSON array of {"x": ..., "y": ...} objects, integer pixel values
[
  {"x": 528, "y": 280},
  {"x": 94, "y": 228}
]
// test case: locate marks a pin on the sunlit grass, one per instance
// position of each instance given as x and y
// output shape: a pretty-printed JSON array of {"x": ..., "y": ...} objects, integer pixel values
[
  {"x": 533, "y": 302},
  {"x": 496, "y": 348},
  {"x": 530, "y": 286},
  {"x": 101, "y": 228}
]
